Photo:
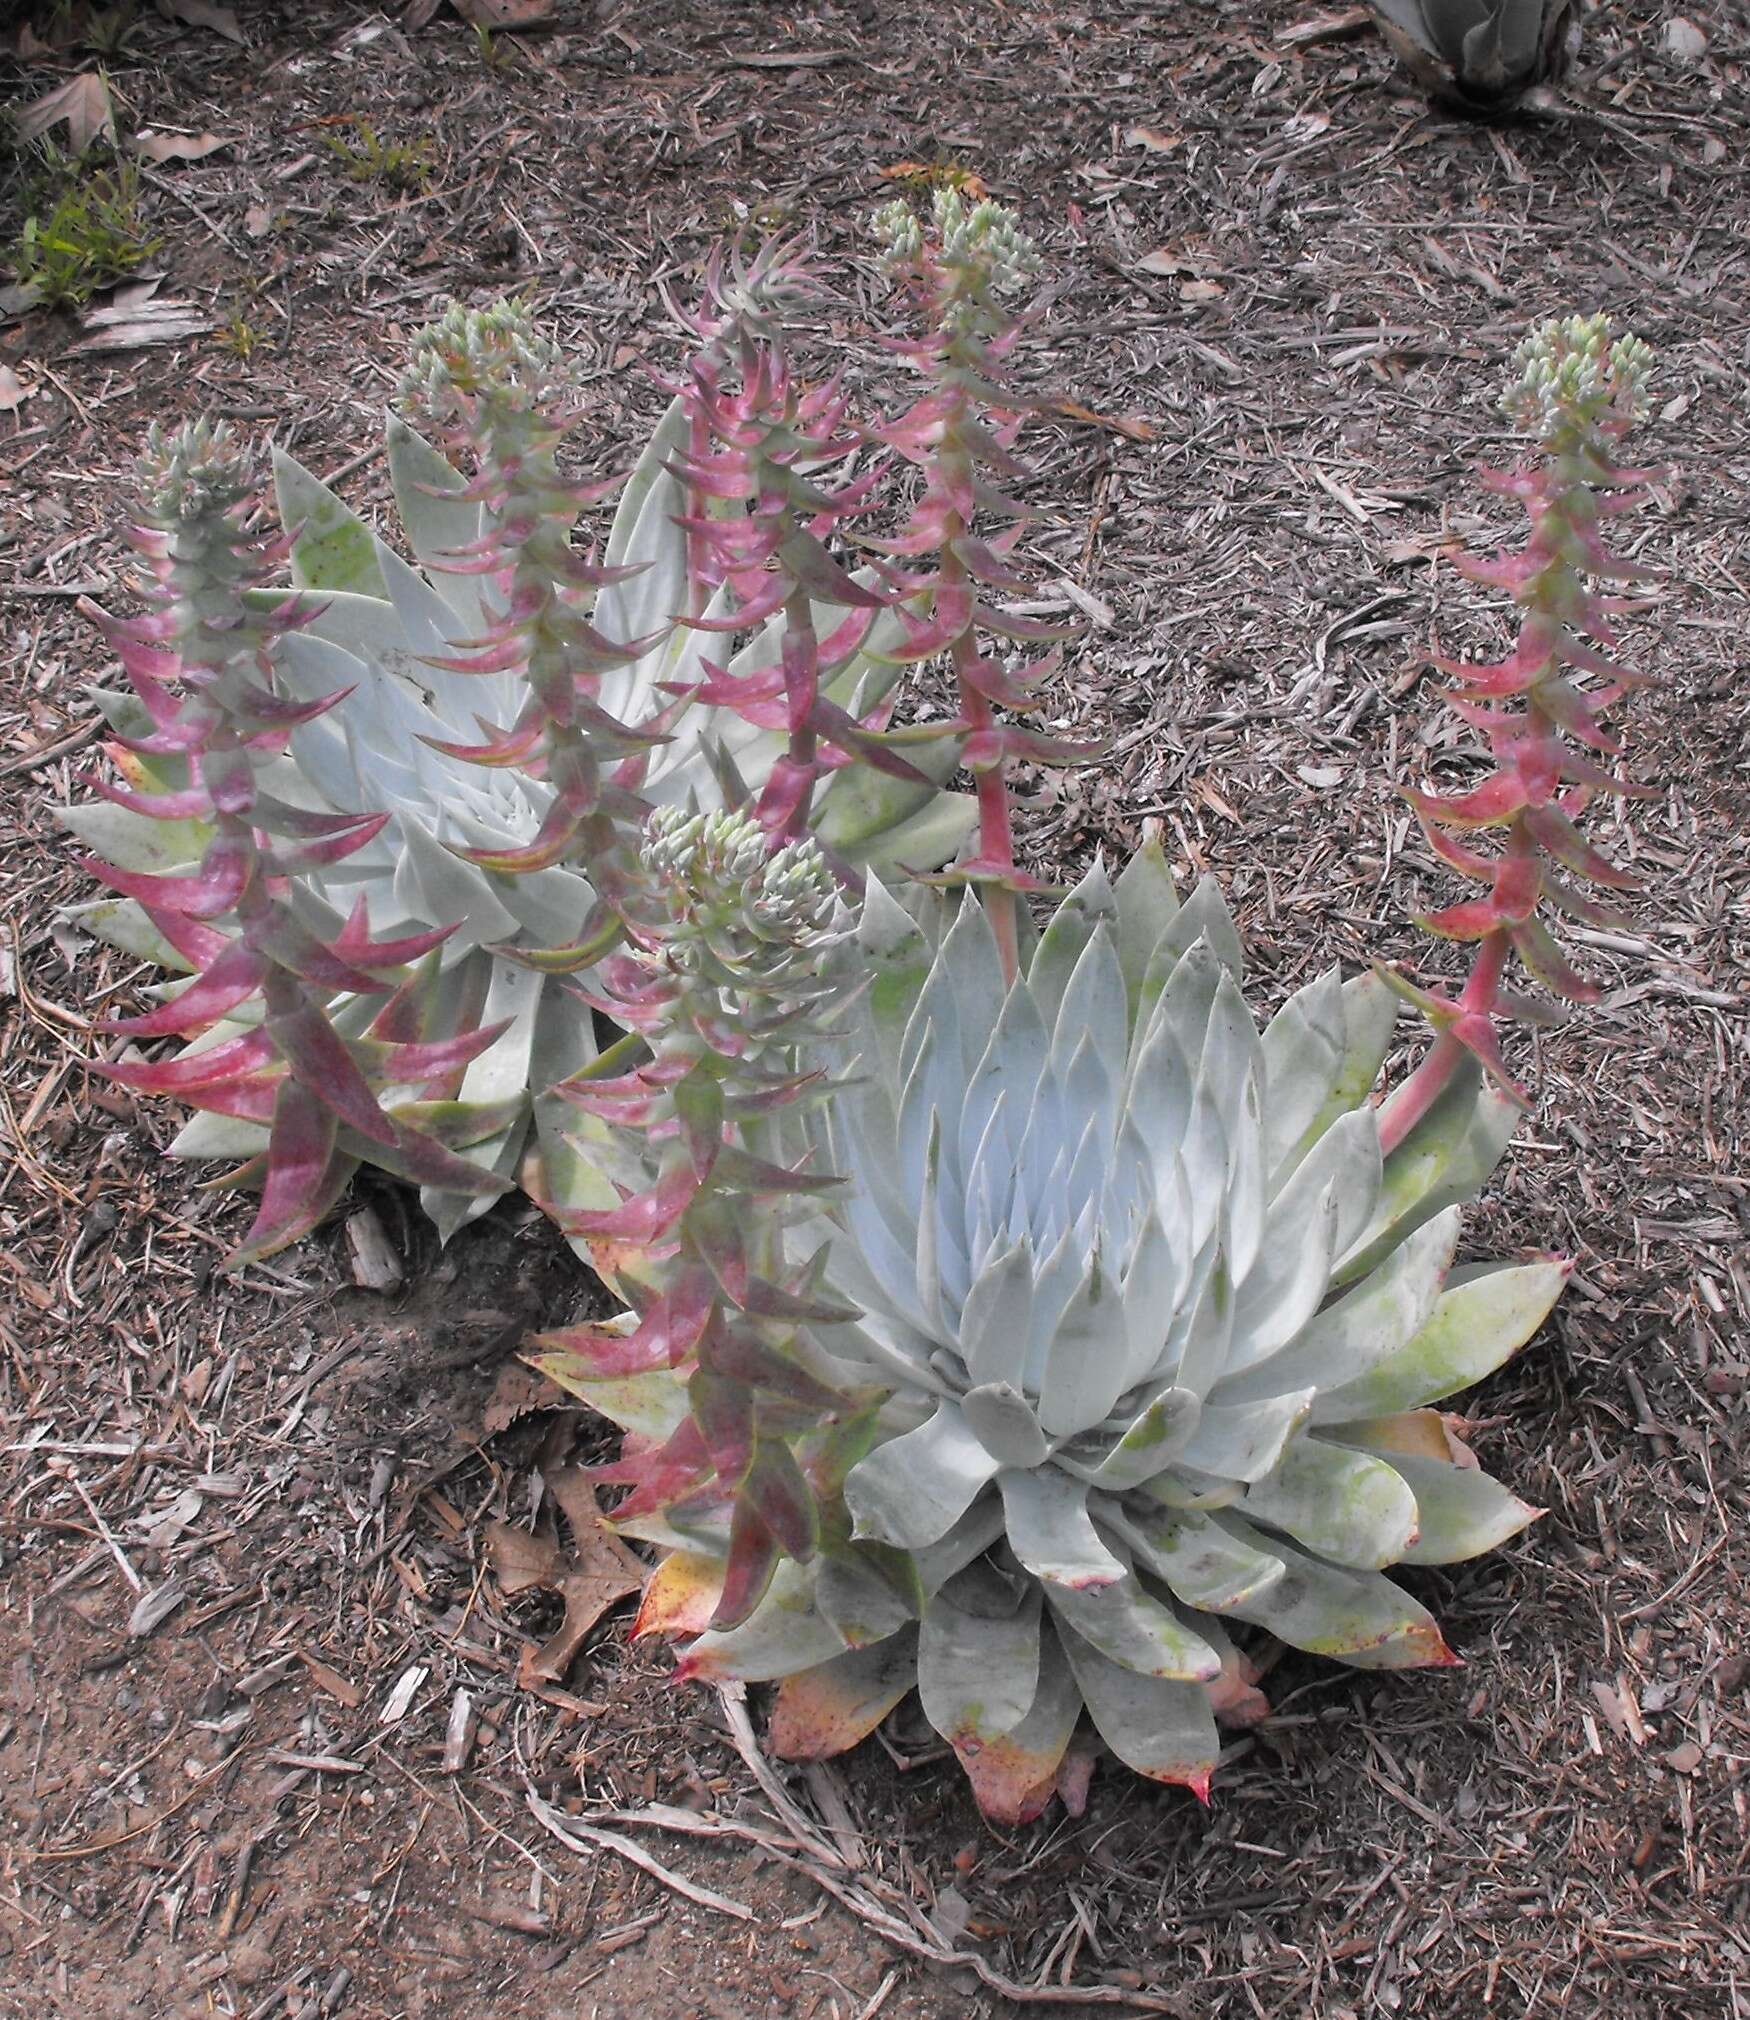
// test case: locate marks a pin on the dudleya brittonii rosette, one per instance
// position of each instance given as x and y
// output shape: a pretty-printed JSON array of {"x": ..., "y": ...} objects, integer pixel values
[
  {"x": 429, "y": 667},
  {"x": 1160, "y": 1328}
]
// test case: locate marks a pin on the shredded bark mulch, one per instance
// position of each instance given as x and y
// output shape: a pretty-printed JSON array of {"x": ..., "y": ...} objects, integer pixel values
[{"x": 264, "y": 1746}]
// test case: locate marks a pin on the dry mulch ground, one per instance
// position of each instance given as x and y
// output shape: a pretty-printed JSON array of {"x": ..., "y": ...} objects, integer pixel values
[{"x": 241, "y": 1805}]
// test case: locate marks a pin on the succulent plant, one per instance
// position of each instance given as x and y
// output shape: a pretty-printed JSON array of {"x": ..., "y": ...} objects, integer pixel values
[
  {"x": 414, "y": 659},
  {"x": 733, "y": 971},
  {"x": 1157, "y": 1327},
  {"x": 1480, "y": 56}
]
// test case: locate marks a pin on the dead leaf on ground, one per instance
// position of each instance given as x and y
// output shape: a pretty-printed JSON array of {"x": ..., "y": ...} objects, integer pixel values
[
  {"x": 83, "y": 103},
  {"x": 179, "y": 146},
  {"x": 596, "y": 1572},
  {"x": 1323, "y": 28},
  {"x": 202, "y": 14},
  {"x": 331, "y": 1680},
  {"x": 1403, "y": 553},
  {"x": 937, "y": 174},
  {"x": 1132, "y": 426}
]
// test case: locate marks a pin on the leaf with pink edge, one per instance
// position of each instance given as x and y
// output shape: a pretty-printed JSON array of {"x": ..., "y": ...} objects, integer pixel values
[
  {"x": 1014, "y": 1776},
  {"x": 828, "y": 1709},
  {"x": 1162, "y": 1729},
  {"x": 304, "y": 1175},
  {"x": 680, "y": 1597}
]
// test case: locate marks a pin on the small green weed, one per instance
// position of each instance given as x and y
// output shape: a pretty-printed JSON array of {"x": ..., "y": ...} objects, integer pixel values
[
  {"x": 495, "y": 55},
  {"x": 368, "y": 157},
  {"x": 241, "y": 337},
  {"x": 84, "y": 229}
]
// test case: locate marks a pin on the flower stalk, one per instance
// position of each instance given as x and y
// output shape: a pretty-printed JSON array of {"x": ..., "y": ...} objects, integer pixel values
[
  {"x": 497, "y": 395},
  {"x": 1540, "y": 712},
  {"x": 965, "y": 271},
  {"x": 201, "y": 662},
  {"x": 730, "y": 970},
  {"x": 762, "y": 448}
]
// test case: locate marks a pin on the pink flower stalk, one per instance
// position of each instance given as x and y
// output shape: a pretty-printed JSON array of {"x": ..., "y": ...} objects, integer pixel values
[
  {"x": 494, "y": 392},
  {"x": 729, "y": 972},
  {"x": 1541, "y": 712},
  {"x": 761, "y": 449},
  {"x": 201, "y": 663},
  {"x": 962, "y": 271}
]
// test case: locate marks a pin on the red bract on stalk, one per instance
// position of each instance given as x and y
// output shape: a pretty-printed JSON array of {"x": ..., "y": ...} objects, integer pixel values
[
  {"x": 730, "y": 975},
  {"x": 202, "y": 664},
  {"x": 962, "y": 270},
  {"x": 494, "y": 392},
  {"x": 761, "y": 449},
  {"x": 1541, "y": 712}
]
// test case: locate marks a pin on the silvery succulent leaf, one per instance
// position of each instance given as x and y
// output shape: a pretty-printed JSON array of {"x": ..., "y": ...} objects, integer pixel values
[
  {"x": 1159, "y": 1328},
  {"x": 1480, "y": 55}
]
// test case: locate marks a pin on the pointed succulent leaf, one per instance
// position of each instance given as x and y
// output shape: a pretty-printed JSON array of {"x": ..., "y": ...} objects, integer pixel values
[
  {"x": 1480, "y": 1321},
  {"x": 785, "y": 1632},
  {"x": 1345, "y": 1505},
  {"x": 1441, "y": 1162},
  {"x": 1136, "y": 1631},
  {"x": 1014, "y": 1776},
  {"x": 1359, "y": 1616},
  {"x": 332, "y": 547},
  {"x": 911, "y": 1490},
  {"x": 1050, "y": 1531},
  {"x": 1202, "y": 1563},
  {"x": 1162, "y": 1729},
  {"x": 1460, "y": 1511}
]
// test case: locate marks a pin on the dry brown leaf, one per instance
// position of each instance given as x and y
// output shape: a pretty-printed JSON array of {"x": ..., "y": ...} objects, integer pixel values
[
  {"x": 1131, "y": 426},
  {"x": 202, "y": 14},
  {"x": 1401, "y": 553},
  {"x": 83, "y": 103},
  {"x": 179, "y": 146},
  {"x": 1323, "y": 28},
  {"x": 331, "y": 1681},
  {"x": 1163, "y": 260},
  {"x": 937, "y": 174},
  {"x": 517, "y": 1390},
  {"x": 593, "y": 1575}
]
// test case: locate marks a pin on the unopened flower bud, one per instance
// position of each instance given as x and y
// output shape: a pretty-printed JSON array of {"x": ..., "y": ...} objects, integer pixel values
[{"x": 198, "y": 469}]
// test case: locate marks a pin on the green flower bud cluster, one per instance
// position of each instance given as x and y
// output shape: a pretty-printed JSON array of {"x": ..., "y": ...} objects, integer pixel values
[
  {"x": 199, "y": 469},
  {"x": 898, "y": 233},
  {"x": 1569, "y": 374},
  {"x": 494, "y": 354},
  {"x": 984, "y": 240},
  {"x": 733, "y": 913},
  {"x": 982, "y": 252}
]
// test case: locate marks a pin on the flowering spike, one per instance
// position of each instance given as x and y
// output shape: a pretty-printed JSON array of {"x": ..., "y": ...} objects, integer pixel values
[
  {"x": 967, "y": 272},
  {"x": 1577, "y": 392},
  {"x": 210, "y": 687}
]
